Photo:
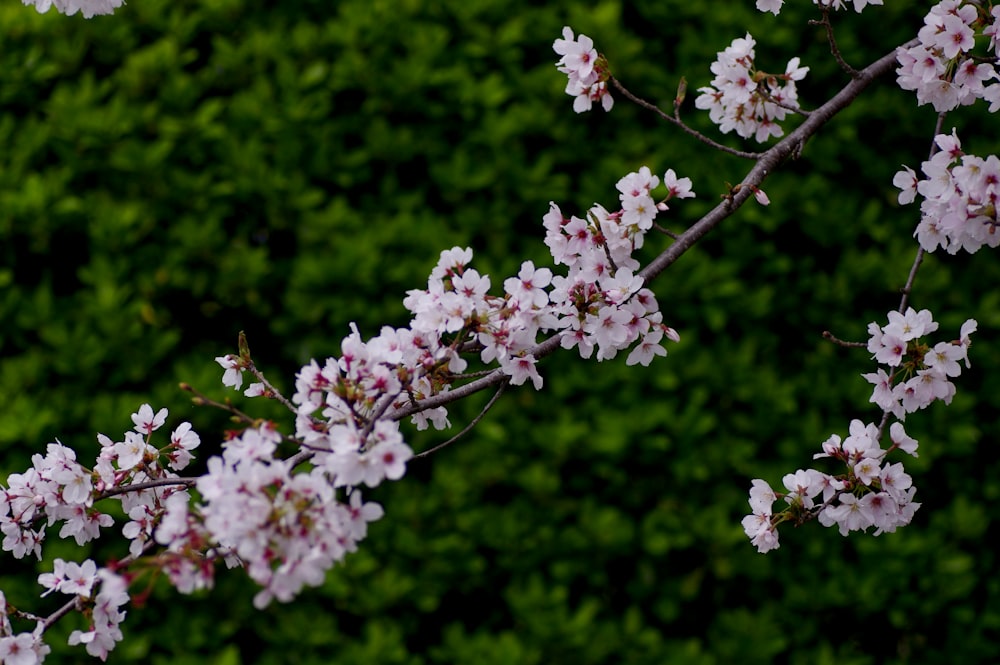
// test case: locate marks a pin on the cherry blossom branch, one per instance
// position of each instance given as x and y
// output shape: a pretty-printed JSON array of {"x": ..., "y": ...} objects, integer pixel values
[
  {"x": 149, "y": 484},
  {"x": 770, "y": 160},
  {"x": 375, "y": 452},
  {"x": 767, "y": 162}
]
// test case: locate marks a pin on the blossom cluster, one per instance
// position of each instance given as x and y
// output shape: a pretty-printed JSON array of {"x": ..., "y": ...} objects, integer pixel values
[
  {"x": 941, "y": 69},
  {"x": 747, "y": 100},
  {"x": 587, "y": 71},
  {"x": 959, "y": 196},
  {"x": 59, "y": 489},
  {"x": 100, "y": 592},
  {"x": 503, "y": 329},
  {"x": 88, "y": 8},
  {"x": 870, "y": 492},
  {"x": 919, "y": 374},
  {"x": 286, "y": 529},
  {"x": 103, "y": 609},
  {"x": 774, "y": 6},
  {"x": 601, "y": 302}
]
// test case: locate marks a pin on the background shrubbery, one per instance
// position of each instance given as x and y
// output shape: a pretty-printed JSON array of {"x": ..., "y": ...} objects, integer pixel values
[{"x": 182, "y": 171}]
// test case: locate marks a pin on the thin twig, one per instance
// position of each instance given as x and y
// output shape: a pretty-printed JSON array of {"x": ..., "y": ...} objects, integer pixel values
[
  {"x": 68, "y": 607},
  {"x": 475, "y": 421},
  {"x": 834, "y": 49},
  {"x": 883, "y": 422},
  {"x": 273, "y": 392},
  {"x": 665, "y": 231},
  {"x": 471, "y": 375},
  {"x": 827, "y": 335},
  {"x": 299, "y": 458},
  {"x": 607, "y": 255},
  {"x": 203, "y": 400},
  {"x": 675, "y": 120},
  {"x": 788, "y": 107},
  {"x": 907, "y": 288}
]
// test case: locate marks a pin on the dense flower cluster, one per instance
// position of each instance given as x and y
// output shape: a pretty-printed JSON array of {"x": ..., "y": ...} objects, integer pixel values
[
  {"x": 89, "y": 8},
  {"x": 81, "y": 580},
  {"x": 745, "y": 99},
  {"x": 959, "y": 195},
  {"x": 99, "y": 593},
  {"x": 870, "y": 492},
  {"x": 287, "y": 529},
  {"x": 601, "y": 303},
  {"x": 57, "y": 488},
  {"x": 942, "y": 69},
  {"x": 587, "y": 71},
  {"x": 919, "y": 374}
]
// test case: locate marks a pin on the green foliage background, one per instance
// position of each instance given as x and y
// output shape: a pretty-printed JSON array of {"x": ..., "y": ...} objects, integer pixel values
[{"x": 182, "y": 171}]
